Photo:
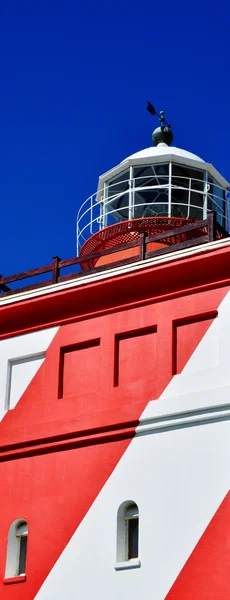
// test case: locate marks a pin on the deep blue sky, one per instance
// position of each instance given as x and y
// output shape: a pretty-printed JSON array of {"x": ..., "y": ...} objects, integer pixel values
[{"x": 75, "y": 77}]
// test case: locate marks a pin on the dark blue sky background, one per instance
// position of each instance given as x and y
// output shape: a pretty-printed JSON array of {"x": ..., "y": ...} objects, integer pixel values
[{"x": 75, "y": 77}]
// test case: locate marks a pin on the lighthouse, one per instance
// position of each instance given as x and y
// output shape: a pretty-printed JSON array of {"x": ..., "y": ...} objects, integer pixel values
[{"x": 115, "y": 381}]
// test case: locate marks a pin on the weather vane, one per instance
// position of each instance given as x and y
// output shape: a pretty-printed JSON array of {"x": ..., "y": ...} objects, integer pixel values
[
  {"x": 160, "y": 115},
  {"x": 162, "y": 134}
]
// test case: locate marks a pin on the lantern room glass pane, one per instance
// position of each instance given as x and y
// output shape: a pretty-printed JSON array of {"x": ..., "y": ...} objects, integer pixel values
[
  {"x": 151, "y": 202},
  {"x": 118, "y": 184},
  {"x": 227, "y": 211},
  {"x": 187, "y": 194},
  {"x": 216, "y": 200},
  {"x": 117, "y": 198},
  {"x": 151, "y": 175}
]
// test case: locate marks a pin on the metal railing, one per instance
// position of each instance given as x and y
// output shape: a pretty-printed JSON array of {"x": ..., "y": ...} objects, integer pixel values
[
  {"x": 171, "y": 195},
  {"x": 206, "y": 230}
]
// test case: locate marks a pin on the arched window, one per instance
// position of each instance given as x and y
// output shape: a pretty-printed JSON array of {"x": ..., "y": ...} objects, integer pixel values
[
  {"x": 128, "y": 534},
  {"x": 17, "y": 549}
]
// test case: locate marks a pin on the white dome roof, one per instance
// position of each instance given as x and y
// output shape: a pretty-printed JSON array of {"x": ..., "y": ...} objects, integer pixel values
[
  {"x": 163, "y": 150},
  {"x": 163, "y": 153}
]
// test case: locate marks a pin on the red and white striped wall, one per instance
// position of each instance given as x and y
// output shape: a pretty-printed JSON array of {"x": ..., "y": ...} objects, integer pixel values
[{"x": 130, "y": 404}]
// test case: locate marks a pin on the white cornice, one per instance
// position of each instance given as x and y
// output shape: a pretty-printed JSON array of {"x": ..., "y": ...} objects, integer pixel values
[{"x": 183, "y": 419}]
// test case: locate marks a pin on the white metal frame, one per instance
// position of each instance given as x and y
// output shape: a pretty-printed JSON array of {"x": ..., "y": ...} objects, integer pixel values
[{"x": 94, "y": 213}]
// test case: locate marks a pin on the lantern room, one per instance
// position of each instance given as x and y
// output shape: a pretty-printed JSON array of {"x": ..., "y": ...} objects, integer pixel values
[{"x": 158, "y": 186}]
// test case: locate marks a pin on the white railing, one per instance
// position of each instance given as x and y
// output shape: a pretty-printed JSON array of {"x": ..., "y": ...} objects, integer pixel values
[{"x": 167, "y": 196}]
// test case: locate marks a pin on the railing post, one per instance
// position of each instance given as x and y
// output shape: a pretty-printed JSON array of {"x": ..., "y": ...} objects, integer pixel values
[
  {"x": 3, "y": 287},
  {"x": 170, "y": 191},
  {"x": 142, "y": 245},
  {"x": 56, "y": 269},
  {"x": 211, "y": 221}
]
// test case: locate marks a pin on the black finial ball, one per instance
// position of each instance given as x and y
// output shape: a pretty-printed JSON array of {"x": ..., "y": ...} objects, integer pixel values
[{"x": 162, "y": 135}]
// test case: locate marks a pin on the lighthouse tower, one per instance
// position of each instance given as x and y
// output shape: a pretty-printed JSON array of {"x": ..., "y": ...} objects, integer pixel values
[{"x": 115, "y": 387}]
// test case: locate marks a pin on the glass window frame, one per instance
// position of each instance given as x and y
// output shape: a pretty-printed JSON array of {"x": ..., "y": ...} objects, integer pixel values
[
  {"x": 131, "y": 519},
  {"x": 22, "y": 538},
  {"x": 112, "y": 215}
]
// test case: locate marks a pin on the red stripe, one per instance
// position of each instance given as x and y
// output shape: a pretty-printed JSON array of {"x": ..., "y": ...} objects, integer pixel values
[{"x": 206, "y": 574}]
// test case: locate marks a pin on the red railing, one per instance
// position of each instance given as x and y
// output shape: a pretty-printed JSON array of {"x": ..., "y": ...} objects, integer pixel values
[{"x": 205, "y": 231}]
